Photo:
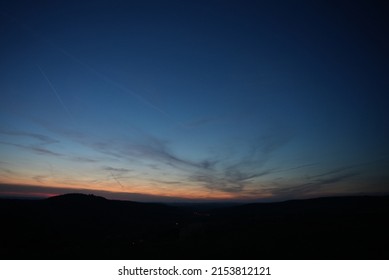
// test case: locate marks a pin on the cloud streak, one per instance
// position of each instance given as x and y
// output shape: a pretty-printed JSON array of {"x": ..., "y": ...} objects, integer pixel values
[
  {"x": 230, "y": 174},
  {"x": 315, "y": 185},
  {"x": 118, "y": 170},
  {"x": 234, "y": 175},
  {"x": 233, "y": 182},
  {"x": 37, "y": 150},
  {"x": 43, "y": 139},
  {"x": 41, "y": 145},
  {"x": 148, "y": 149}
]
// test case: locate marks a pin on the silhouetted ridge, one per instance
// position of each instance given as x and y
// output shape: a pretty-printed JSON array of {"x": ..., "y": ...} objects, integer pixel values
[
  {"x": 89, "y": 204},
  {"x": 87, "y": 226},
  {"x": 76, "y": 197},
  {"x": 314, "y": 205}
]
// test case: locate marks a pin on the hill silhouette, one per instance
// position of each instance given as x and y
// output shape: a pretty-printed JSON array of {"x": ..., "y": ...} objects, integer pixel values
[
  {"x": 77, "y": 197},
  {"x": 79, "y": 226}
]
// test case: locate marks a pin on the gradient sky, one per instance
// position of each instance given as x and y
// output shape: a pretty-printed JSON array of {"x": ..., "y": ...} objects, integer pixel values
[{"x": 194, "y": 100}]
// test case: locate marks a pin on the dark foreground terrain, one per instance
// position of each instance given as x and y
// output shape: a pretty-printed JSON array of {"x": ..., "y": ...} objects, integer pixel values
[{"x": 77, "y": 226}]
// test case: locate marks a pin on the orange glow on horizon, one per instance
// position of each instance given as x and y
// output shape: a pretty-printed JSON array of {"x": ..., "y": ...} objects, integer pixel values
[{"x": 182, "y": 192}]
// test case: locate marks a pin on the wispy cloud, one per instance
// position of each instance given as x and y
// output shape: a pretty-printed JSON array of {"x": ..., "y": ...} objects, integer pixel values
[
  {"x": 7, "y": 171},
  {"x": 232, "y": 173},
  {"x": 41, "y": 147},
  {"x": 151, "y": 150},
  {"x": 235, "y": 174},
  {"x": 336, "y": 179},
  {"x": 43, "y": 139},
  {"x": 42, "y": 151},
  {"x": 115, "y": 169},
  {"x": 228, "y": 180},
  {"x": 166, "y": 182},
  {"x": 331, "y": 172},
  {"x": 314, "y": 185},
  {"x": 37, "y": 150},
  {"x": 82, "y": 159},
  {"x": 40, "y": 178}
]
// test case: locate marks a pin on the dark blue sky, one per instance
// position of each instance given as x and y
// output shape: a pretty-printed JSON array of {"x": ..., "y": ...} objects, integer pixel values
[{"x": 240, "y": 100}]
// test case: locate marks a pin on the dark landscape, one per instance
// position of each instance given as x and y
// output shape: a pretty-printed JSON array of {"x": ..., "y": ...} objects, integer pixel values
[{"x": 78, "y": 226}]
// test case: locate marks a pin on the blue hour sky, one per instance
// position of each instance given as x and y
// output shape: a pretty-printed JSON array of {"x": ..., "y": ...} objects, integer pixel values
[{"x": 194, "y": 100}]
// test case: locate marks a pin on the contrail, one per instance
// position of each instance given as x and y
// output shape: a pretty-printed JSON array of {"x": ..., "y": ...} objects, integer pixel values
[
  {"x": 117, "y": 181},
  {"x": 119, "y": 86},
  {"x": 55, "y": 92},
  {"x": 137, "y": 96}
]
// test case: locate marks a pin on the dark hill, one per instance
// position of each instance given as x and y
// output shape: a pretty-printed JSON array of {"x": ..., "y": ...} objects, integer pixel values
[
  {"x": 91, "y": 205},
  {"x": 78, "y": 226},
  {"x": 83, "y": 226},
  {"x": 79, "y": 197}
]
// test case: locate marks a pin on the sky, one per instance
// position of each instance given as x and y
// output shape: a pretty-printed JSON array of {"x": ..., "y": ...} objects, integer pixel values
[{"x": 194, "y": 100}]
